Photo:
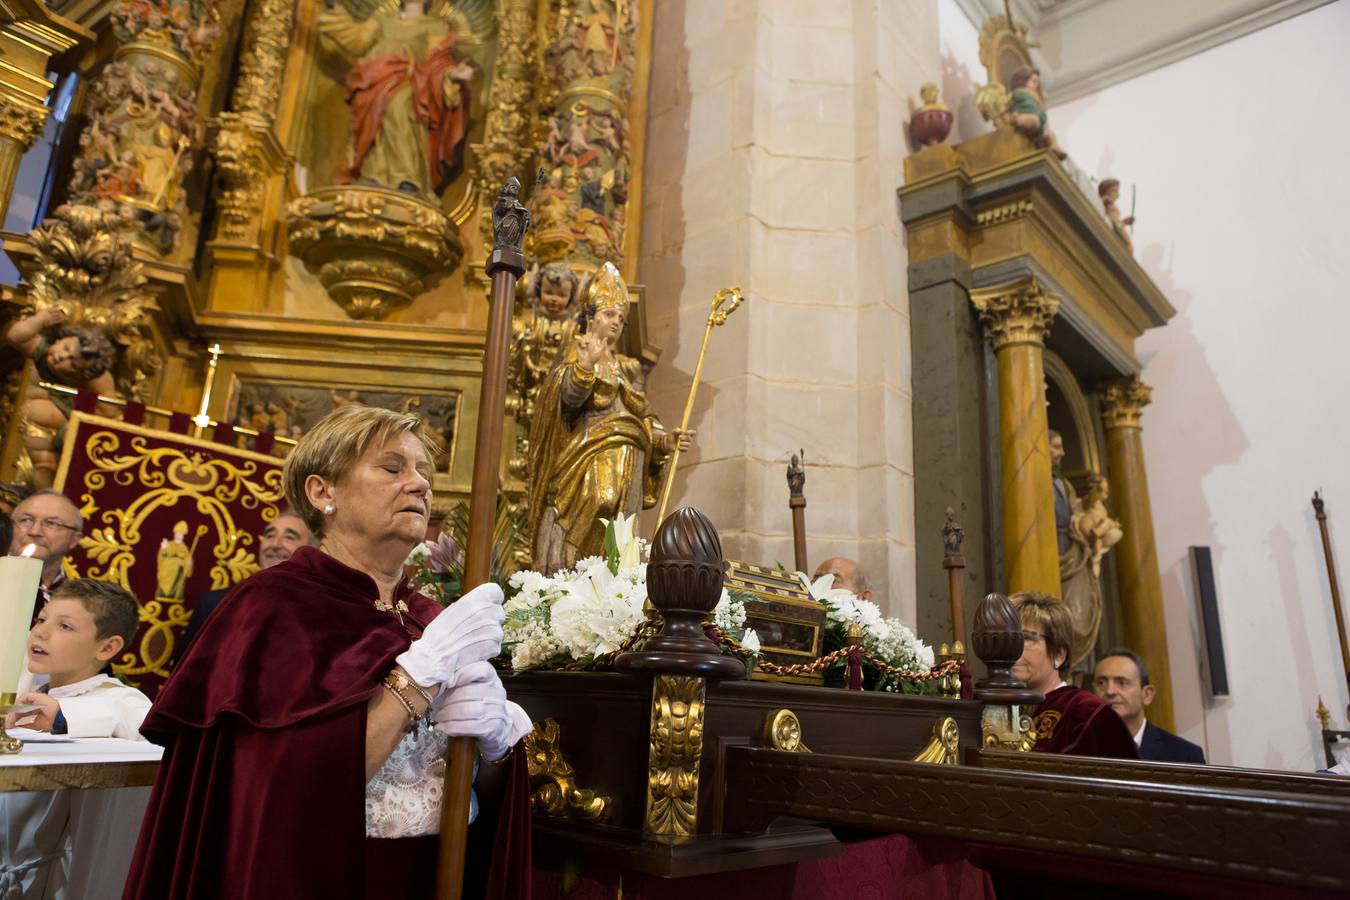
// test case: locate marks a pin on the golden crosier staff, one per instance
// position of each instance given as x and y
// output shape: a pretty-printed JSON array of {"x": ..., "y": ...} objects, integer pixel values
[{"x": 724, "y": 303}]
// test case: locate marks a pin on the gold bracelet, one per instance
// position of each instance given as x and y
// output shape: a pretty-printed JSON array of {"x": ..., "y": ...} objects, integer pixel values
[
  {"x": 497, "y": 762},
  {"x": 403, "y": 701},
  {"x": 402, "y": 679}
]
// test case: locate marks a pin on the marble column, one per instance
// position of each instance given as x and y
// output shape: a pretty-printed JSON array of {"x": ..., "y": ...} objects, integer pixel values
[
  {"x": 1136, "y": 555},
  {"x": 1018, "y": 316}
]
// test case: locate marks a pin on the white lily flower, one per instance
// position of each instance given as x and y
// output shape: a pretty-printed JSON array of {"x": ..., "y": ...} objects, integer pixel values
[{"x": 750, "y": 641}]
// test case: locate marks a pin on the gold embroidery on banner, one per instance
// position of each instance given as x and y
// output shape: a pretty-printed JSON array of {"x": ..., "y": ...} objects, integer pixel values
[{"x": 166, "y": 477}]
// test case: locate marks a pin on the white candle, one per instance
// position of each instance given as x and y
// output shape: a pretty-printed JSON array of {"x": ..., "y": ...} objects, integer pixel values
[{"x": 19, "y": 580}]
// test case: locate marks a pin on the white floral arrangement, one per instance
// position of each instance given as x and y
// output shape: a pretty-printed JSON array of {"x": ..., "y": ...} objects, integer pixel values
[
  {"x": 577, "y": 616},
  {"x": 888, "y": 639}
]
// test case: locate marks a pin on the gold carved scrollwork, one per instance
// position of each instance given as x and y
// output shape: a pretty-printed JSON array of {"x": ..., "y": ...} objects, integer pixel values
[
  {"x": 166, "y": 477},
  {"x": 674, "y": 753},
  {"x": 506, "y": 147},
  {"x": 263, "y": 60},
  {"x": 374, "y": 249},
  {"x": 945, "y": 746},
  {"x": 553, "y": 782},
  {"x": 1007, "y": 728},
  {"x": 1017, "y": 313},
  {"x": 88, "y": 270},
  {"x": 21, "y": 120},
  {"x": 1123, "y": 402},
  {"x": 783, "y": 731}
]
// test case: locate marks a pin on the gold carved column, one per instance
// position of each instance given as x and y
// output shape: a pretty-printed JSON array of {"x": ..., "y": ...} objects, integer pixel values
[
  {"x": 1018, "y": 316},
  {"x": 30, "y": 35},
  {"x": 1137, "y": 556},
  {"x": 136, "y": 149},
  {"x": 590, "y": 74},
  {"x": 21, "y": 123},
  {"x": 251, "y": 162}
]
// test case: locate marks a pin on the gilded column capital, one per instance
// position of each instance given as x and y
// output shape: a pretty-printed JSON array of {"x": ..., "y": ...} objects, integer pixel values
[
  {"x": 1020, "y": 312},
  {"x": 21, "y": 120},
  {"x": 1123, "y": 402}
]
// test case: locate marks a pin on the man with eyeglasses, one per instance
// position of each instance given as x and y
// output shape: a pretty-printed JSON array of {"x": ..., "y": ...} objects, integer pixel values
[{"x": 52, "y": 524}]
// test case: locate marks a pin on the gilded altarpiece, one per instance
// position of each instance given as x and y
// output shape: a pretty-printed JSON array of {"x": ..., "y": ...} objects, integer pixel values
[{"x": 308, "y": 185}]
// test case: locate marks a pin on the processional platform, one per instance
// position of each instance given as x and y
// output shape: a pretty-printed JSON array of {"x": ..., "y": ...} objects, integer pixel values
[{"x": 677, "y": 767}]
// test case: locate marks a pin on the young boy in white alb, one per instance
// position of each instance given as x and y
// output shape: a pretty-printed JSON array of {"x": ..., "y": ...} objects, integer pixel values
[{"x": 79, "y": 631}]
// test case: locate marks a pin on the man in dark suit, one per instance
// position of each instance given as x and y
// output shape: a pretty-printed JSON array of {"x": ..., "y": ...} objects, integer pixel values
[
  {"x": 283, "y": 536},
  {"x": 1121, "y": 679}
]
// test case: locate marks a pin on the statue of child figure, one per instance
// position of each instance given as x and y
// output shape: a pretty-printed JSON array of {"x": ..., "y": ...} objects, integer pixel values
[
  {"x": 1109, "y": 191},
  {"x": 1099, "y": 530},
  {"x": 72, "y": 355},
  {"x": 1028, "y": 110}
]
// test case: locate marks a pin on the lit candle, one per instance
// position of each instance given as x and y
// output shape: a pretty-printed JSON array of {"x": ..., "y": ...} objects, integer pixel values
[{"x": 19, "y": 579}]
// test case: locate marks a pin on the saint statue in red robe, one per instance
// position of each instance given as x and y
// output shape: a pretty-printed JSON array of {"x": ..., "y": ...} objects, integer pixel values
[{"x": 408, "y": 93}]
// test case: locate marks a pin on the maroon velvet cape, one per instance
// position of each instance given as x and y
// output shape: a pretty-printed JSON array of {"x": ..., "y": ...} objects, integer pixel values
[
  {"x": 261, "y": 792},
  {"x": 1072, "y": 720}
]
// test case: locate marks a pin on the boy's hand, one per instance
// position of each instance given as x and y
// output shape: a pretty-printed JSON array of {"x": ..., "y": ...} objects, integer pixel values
[{"x": 40, "y": 719}]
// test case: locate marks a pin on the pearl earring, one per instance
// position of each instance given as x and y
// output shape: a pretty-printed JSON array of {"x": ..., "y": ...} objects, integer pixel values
[{"x": 328, "y": 510}]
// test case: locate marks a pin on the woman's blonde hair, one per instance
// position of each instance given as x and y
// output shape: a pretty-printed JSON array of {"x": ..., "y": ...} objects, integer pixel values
[
  {"x": 1052, "y": 618},
  {"x": 331, "y": 448}
]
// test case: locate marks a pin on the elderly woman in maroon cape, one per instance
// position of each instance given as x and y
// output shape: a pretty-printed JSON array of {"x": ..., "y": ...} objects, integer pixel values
[
  {"x": 408, "y": 93},
  {"x": 298, "y": 762}
]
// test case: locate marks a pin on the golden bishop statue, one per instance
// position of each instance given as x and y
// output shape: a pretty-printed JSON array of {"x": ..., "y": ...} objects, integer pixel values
[{"x": 596, "y": 448}]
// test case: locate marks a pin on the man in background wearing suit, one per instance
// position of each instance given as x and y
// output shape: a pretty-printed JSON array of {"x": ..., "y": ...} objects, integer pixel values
[
  {"x": 283, "y": 536},
  {"x": 1121, "y": 679}
]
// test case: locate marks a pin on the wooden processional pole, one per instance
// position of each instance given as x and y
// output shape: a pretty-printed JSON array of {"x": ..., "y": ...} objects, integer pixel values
[
  {"x": 796, "y": 476},
  {"x": 510, "y": 221},
  {"x": 1319, "y": 508}
]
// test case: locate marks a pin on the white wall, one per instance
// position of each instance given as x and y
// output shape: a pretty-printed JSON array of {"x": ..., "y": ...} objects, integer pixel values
[
  {"x": 1240, "y": 158},
  {"x": 775, "y": 146}
]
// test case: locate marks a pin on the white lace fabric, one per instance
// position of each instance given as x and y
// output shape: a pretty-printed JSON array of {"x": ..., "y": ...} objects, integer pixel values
[{"x": 404, "y": 797}]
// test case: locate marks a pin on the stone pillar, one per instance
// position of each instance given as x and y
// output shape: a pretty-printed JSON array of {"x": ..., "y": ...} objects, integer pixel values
[
  {"x": 1018, "y": 316},
  {"x": 1136, "y": 555}
]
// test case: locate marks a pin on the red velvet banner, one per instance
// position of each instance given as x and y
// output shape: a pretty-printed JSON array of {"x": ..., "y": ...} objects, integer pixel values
[{"x": 167, "y": 517}]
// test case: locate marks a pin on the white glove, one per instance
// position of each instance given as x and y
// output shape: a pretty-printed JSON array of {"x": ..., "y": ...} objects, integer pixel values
[
  {"x": 480, "y": 710},
  {"x": 468, "y": 631}
]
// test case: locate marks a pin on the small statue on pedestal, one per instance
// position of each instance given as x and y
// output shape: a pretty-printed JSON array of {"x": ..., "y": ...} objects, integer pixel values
[
  {"x": 1109, "y": 191},
  {"x": 1028, "y": 110}
]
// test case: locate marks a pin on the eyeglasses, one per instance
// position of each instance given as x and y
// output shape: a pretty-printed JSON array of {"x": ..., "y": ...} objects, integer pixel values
[
  {"x": 1032, "y": 637},
  {"x": 51, "y": 523}
]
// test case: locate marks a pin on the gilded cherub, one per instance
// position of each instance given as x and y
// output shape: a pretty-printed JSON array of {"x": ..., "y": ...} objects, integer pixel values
[{"x": 76, "y": 356}]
